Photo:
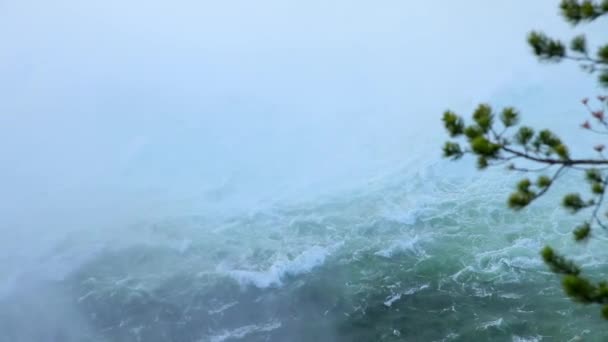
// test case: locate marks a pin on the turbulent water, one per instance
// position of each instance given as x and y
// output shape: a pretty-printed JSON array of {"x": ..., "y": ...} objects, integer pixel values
[{"x": 402, "y": 258}]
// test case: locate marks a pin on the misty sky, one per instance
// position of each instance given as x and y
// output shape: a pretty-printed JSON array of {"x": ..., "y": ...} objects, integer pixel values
[{"x": 109, "y": 102}]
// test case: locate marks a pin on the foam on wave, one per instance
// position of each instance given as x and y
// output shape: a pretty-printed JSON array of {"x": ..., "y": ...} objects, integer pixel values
[{"x": 279, "y": 270}]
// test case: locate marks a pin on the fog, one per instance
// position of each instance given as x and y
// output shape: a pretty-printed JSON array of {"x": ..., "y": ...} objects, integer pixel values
[{"x": 113, "y": 111}]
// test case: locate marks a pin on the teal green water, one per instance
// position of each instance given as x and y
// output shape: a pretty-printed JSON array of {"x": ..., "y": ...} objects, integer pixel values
[{"x": 399, "y": 260}]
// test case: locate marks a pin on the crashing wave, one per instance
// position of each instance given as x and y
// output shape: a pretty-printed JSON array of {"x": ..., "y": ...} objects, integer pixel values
[{"x": 279, "y": 270}]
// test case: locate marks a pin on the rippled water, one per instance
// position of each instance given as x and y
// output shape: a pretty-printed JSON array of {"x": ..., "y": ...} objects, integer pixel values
[{"x": 398, "y": 259}]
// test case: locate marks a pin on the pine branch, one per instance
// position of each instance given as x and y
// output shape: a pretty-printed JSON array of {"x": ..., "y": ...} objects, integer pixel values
[{"x": 553, "y": 161}]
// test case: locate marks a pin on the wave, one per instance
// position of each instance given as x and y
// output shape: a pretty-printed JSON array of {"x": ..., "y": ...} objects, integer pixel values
[
  {"x": 405, "y": 244},
  {"x": 275, "y": 274},
  {"x": 491, "y": 324},
  {"x": 396, "y": 297},
  {"x": 447, "y": 247},
  {"x": 244, "y": 331}
]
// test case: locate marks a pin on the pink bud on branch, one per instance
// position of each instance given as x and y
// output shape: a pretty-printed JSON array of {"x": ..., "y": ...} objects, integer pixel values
[{"x": 599, "y": 114}]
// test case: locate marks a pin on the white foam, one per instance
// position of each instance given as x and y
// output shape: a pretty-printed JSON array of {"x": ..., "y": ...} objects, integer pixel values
[
  {"x": 392, "y": 299},
  {"x": 480, "y": 291},
  {"x": 407, "y": 217},
  {"x": 222, "y": 308},
  {"x": 489, "y": 324},
  {"x": 416, "y": 289},
  {"x": 457, "y": 275},
  {"x": 274, "y": 275},
  {"x": 449, "y": 337},
  {"x": 510, "y": 296},
  {"x": 243, "y": 331},
  {"x": 527, "y": 339},
  {"x": 410, "y": 244}
]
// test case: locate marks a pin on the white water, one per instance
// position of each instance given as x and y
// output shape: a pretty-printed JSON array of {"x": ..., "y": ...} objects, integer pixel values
[{"x": 287, "y": 151}]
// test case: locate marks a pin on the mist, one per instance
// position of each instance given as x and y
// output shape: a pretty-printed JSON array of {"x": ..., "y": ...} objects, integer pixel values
[
  {"x": 100, "y": 97},
  {"x": 113, "y": 112}
]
